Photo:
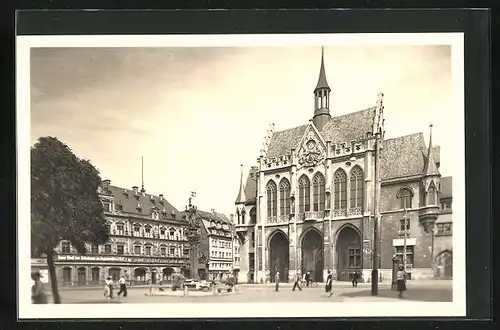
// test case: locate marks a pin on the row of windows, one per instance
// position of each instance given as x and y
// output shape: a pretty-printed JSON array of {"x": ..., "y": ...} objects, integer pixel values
[
  {"x": 221, "y": 243},
  {"x": 356, "y": 180},
  {"x": 120, "y": 249},
  {"x": 147, "y": 231},
  {"x": 444, "y": 229},
  {"x": 221, "y": 254},
  {"x": 220, "y": 265},
  {"x": 241, "y": 216},
  {"x": 405, "y": 195}
]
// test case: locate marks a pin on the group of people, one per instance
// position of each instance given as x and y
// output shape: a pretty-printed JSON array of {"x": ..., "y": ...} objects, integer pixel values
[
  {"x": 109, "y": 286},
  {"x": 400, "y": 281}
]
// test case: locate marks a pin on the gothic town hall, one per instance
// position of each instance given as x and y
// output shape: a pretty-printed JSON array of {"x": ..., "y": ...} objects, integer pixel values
[{"x": 309, "y": 203}]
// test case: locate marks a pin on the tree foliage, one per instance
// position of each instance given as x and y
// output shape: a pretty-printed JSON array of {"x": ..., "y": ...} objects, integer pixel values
[{"x": 65, "y": 204}]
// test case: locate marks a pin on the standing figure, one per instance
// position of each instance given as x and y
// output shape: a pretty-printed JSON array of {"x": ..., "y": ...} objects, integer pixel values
[
  {"x": 277, "y": 281},
  {"x": 308, "y": 278},
  {"x": 109, "y": 284},
  {"x": 401, "y": 281},
  {"x": 37, "y": 289},
  {"x": 328, "y": 286},
  {"x": 123, "y": 286},
  {"x": 355, "y": 279},
  {"x": 298, "y": 278}
]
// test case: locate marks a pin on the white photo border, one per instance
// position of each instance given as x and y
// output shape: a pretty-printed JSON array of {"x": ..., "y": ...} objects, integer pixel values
[{"x": 27, "y": 310}]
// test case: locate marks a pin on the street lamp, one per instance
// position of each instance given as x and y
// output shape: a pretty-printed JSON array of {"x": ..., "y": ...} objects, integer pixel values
[
  {"x": 193, "y": 234},
  {"x": 376, "y": 204}
]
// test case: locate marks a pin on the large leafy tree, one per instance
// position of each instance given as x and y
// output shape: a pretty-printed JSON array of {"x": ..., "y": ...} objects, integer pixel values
[{"x": 65, "y": 204}]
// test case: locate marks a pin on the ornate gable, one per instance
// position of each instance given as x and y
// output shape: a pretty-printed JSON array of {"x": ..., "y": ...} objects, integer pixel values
[{"x": 312, "y": 150}]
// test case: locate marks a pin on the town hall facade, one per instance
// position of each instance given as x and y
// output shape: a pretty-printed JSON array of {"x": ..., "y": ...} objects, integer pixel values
[{"x": 309, "y": 204}]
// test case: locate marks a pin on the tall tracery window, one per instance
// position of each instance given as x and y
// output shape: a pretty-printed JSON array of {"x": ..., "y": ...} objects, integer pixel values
[
  {"x": 272, "y": 207},
  {"x": 405, "y": 195},
  {"x": 284, "y": 197},
  {"x": 238, "y": 215},
  {"x": 243, "y": 212},
  {"x": 319, "y": 192},
  {"x": 253, "y": 216},
  {"x": 340, "y": 190},
  {"x": 357, "y": 187},
  {"x": 431, "y": 195},
  {"x": 304, "y": 194},
  {"x": 422, "y": 196}
]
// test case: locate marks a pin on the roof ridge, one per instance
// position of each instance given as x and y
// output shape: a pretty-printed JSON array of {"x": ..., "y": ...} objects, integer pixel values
[{"x": 403, "y": 136}]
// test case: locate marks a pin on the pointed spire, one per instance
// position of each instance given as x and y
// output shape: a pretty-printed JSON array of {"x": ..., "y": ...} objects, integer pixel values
[
  {"x": 142, "y": 175},
  {"x": 322, "y": 83},
  {"x": 430, "y": 164},
  {"x": 241, "y": 195}
]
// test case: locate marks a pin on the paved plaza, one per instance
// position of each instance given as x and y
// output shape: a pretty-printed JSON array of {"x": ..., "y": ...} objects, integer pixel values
[{"x": 430, "y": 291}]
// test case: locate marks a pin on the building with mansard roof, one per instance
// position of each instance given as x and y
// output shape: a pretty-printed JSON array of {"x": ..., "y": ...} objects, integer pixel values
[
  {"x": 147, "y": 242},
  {"x": 309, "y": 203}
]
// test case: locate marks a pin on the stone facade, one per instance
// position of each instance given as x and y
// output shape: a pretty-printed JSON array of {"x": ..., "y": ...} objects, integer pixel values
[
  {"x": 313, "y": 198},
  {"x": 147, "y": 242}
]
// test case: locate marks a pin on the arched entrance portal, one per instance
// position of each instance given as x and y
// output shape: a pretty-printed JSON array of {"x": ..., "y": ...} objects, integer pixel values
[
  {"x": 115, "y": 273},
  {"x": 82, "y": 276},
  {"x": 140, "y": 276},
  {"x": 278, "y": 255},
  {"x": 444, "y": 265},
  {"x": 348, "y": 253},
  {"x": 312, "y": 254},
  {"x": 167, "y": 274}
]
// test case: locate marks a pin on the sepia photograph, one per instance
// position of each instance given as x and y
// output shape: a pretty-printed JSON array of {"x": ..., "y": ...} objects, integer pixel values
[{"x": 240, "y": 176}]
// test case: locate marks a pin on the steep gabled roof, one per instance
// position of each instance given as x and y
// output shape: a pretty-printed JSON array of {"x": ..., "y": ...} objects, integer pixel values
[
  {"x": 344, "y": 128},
  {"x": 129, "y": 202},
  {"x": 348, "y": 127},
  {"x": 251, "y": 185},
  {"x": 402, "y": 156}
]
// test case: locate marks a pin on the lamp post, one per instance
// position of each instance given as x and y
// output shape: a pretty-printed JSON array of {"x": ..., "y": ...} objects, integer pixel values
[
  {"x": 376, "y": 205},
  {"x": 405, "y": 219},
  {"x": 193, "y": 234}
]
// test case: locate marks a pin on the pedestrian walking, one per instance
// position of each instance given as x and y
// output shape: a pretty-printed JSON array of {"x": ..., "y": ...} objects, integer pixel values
[
  {"x": 297, "y": 282},
  {"x": 277, "y": 281},
  {"x": 328, "y": 286},
  {"x": 401, "y": 281},
  {"x": 355, "y": 279},
  {"x": 308, "y": 278},
  {"x": 37, "y": 289},
  {"x": 109, "y": 285},
  {"x": 123, "y": 286}
]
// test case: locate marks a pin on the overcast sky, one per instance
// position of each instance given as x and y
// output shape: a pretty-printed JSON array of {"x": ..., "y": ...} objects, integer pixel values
[{"x": 196, "y": 114}]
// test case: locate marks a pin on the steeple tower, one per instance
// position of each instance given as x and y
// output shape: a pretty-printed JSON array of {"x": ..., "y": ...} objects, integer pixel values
[
  {"x": 430, "y": 168},
  {"x": 321, "y": 97},
  {"x": 241, "y": 195}
]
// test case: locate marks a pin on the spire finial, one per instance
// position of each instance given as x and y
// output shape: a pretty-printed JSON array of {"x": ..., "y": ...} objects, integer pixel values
[
  {"x": 142, "y": 174},
  {"x": 430, "y": 167},
  {"x": 322, "y": 83},
  {"x": 241, "y": 194}
]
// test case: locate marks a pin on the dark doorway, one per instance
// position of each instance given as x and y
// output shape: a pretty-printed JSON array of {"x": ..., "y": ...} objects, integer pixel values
[
  {"x": 278, "y": 256},
  {"x": 95, "y": 275},
  {"x": 348, "y": 253},
  {"x": 312, "y": 254},
  {"x": 140, "y": 276},
  {"x": 153, "y": 277},
  {"x": 444, "y": 265},
  {"x": 115, "y": 274},
  {"x": 167, "y": 274},
  {"x": 82, "y": 276},
  {"x": 67, "y": 276}
]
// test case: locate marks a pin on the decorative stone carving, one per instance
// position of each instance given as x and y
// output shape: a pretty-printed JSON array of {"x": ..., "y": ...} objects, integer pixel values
[{"x": 312, "y": 152}]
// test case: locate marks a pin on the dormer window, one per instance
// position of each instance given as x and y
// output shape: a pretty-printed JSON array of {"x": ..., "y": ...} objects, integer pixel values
[
  {"x": 173, "y": 214},
  {"x": 106, "y": 205},
  {"x": 155, "y": 215},
  {"x": 139, "y": 208},
  {"x": 152, "y": 200}
]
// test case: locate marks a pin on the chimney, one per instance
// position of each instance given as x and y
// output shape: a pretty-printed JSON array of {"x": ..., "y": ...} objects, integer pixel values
[
  {"x": 213, "y": 211},
  {"x": 136, "y": 190},
  {"x": 105, "y": 184}
]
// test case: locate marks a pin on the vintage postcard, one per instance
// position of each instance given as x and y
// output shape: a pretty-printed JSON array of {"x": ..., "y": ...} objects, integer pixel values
[{"x": 213, "y": 176}]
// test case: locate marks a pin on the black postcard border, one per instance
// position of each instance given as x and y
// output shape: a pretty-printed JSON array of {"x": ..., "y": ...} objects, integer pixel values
[{"x": 475, "y": 24}]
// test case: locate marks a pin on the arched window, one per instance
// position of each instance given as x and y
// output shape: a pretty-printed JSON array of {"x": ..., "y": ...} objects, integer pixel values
[
  {"x": 239, "y": 216},
  {"x": 253, "y": 216},
  {"x": 340, "y": 190},
  {"x": 357, "y": 188},
  {"x": 422, "y": 196},
  {"x": 284, "y": 197},
  {"x": 405, "y": 195},
  {"x": 431, "y": 195},
  {"x": 304, "y": 194},
  {"x": 318, "y": 192},
  {"x": 272, "y": 207},
  {"x": 243, "y": 212}
]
